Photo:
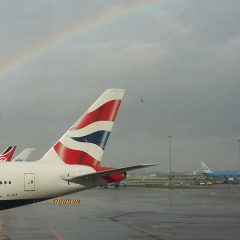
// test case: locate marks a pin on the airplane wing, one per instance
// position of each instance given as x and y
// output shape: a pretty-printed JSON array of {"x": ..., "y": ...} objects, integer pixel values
[
  {"x": 97, "y": 178},
  {"x": 24, "y": 155}
]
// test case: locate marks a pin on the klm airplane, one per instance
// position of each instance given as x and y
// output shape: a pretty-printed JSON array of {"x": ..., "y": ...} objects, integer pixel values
[{"x": 233, "y": 177}]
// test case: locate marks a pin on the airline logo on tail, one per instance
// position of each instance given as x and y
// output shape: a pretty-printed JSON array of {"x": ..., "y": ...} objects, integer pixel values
[
  {"x": 7, "y": 154},
  {"x": 85, "y": 142},
  {"x": 205, "y": 168},
  {"x": 24, "y": 155}
]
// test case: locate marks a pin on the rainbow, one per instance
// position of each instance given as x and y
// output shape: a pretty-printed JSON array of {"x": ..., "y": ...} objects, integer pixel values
[{"x": 79, "y": 30}]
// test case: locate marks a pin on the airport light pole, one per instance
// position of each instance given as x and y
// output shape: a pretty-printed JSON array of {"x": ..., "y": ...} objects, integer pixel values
[
  {"x": 239, "y": 152},
  {"x": 1, "y": 129},
  {"x": 170, "y": 159}
]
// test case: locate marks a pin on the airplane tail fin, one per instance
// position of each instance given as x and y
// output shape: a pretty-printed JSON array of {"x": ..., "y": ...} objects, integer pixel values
[
  {"x": 7, "y": 154},
  {"x": 24, "y": 155},
  {"x": 85, "y": 142},
  {"x": 205, "y": 168}
]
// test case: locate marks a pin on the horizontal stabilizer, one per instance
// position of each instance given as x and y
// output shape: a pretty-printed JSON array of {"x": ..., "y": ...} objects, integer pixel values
[{"x": 97, "y": 178}]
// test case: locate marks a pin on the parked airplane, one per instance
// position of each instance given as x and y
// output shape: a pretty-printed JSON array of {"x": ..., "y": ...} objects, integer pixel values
[
  {"x": 72, "y": 164},
  {"x": 7, "y": 154},
  {"x": 24, "y": 155},
  {"x": 228, "y": 176}
]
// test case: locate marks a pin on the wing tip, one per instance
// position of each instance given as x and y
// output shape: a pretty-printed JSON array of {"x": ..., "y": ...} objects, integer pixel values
[{"x": 149, "y": 164}]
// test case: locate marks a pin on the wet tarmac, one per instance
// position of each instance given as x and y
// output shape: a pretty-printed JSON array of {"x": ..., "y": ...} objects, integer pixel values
[{"x": 130, "y": 213}]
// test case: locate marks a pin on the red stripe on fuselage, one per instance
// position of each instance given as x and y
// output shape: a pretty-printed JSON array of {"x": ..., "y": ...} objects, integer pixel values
[
  {"x": 71, "y": 156},
  {"x": 107, "y": 112}
]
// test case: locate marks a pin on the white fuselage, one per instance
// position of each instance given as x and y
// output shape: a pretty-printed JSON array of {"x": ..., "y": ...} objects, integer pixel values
[{"x": 36, "y": 180}]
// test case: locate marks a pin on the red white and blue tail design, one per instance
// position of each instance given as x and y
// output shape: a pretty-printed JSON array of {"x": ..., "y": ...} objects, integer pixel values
[
  {"x": 85, "y": 142},
  {"x": 7, "y": 154}
]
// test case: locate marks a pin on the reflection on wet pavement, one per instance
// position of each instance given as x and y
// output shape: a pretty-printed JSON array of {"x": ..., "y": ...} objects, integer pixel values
[{"x": 128, "y": 214}]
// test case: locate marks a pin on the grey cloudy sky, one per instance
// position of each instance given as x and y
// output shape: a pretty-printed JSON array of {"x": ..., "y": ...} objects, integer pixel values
[{"x": 181, "y": 56}]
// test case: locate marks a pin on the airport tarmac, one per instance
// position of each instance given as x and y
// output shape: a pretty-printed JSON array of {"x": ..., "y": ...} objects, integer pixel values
[{"x": 130, "y": 213}]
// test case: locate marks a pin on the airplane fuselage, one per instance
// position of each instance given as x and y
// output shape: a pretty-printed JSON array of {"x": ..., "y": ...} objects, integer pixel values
[
  {"x": 27, "y": 182},
  {"x": 224, "y": 174}
]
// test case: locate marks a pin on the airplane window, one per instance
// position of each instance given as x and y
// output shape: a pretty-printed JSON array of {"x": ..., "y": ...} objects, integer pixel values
[
  {"x": 9, "y": 182},
  {"x": 0, "y": 182},
  {"x": 31, "y": 181},
  {"x": 5, "y": 182}
]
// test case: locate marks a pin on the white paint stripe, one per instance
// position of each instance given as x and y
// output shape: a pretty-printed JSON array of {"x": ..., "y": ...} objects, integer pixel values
[
  {"x": 94, "y": 127},
  {"x": 108, "y": 95},
  {"x": 92, "y": 149}
]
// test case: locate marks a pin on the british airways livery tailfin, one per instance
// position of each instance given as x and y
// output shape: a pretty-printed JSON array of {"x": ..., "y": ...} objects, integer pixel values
[
  {"x": 205, "y": 168},
  {"x": 85, "y": 142},
  {"x": 7, "y": 154}
]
